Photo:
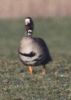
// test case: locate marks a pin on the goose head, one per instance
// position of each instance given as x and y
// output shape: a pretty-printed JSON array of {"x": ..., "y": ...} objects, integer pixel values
[{"x": 29, "y": 26}]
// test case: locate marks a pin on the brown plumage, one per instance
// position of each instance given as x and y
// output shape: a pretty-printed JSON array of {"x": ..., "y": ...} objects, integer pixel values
[{"x": 33, "y": 51}]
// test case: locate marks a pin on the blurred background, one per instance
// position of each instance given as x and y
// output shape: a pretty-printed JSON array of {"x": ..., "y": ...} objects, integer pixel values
[
  {"x": 52, "y": 20},
  {"x": 43, "y": 8}
]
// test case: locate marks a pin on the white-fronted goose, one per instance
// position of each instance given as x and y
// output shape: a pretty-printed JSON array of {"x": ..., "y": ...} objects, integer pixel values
[{"x": 33, "y": 50}]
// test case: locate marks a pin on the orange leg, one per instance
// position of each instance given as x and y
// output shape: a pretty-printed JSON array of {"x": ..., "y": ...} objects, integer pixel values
[
  {"x": 30, "y": 69},
  {"x": 43, "y": 70}
]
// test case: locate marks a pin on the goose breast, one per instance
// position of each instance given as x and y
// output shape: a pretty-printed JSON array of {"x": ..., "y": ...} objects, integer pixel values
[{"x": 33, "y": 51}]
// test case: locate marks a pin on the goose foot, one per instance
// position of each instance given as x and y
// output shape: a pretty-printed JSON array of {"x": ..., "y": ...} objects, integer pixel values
[
  {"x": 30, "y": 70},
  {"x": 43, "y": 70}
]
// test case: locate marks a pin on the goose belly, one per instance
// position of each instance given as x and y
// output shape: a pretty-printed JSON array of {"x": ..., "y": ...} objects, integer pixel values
[
  {"x": 32, "y": 52},
  {"x": 36, "y": 60}
]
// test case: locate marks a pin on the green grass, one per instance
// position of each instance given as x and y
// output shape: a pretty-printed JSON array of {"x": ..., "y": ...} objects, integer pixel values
[{"x": 56, "y": 84}]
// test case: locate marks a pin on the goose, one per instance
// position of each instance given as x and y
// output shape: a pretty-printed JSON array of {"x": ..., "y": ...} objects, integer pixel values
[{"x": 33, "y": 51}]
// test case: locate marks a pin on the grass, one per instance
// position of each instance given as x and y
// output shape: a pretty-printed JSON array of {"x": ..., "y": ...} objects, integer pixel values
[{"x": 56, "y": 84}]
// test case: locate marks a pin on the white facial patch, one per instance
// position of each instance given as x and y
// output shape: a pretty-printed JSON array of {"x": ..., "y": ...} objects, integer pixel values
[{"x": 27, "y": 21}]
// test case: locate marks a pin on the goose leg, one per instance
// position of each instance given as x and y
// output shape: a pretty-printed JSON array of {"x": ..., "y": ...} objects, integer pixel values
[
  {"x": 30, "y": 70},
  {"x": 43, "y": 70}
]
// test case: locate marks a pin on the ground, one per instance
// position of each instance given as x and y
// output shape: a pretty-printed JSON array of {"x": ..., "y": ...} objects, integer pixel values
[{"x": 56, "y": 84}]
